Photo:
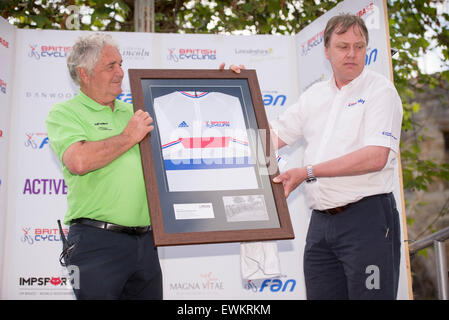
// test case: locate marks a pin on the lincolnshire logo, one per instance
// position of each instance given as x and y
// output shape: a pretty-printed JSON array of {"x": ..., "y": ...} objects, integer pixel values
[
  {"x": 183, "y": 125},
  {"x": 254, "y": 52}
]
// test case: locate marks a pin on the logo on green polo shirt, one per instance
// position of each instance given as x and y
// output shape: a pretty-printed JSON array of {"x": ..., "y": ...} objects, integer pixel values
[{"x": 102, "y": 126}]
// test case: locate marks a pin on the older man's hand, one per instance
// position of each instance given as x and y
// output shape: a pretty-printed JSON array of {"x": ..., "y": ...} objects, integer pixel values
[
  {"x": 138, "y": 127},
  {"x": 232, "y": 67}
]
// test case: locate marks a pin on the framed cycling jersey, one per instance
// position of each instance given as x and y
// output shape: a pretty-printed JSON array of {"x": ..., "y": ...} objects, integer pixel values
[{"x": 208, "y": 164}]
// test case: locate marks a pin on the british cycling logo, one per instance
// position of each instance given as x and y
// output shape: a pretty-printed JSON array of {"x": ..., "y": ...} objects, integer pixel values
[
  {"x": 36, "y": 140},
  {"x": 2, "y": 86},
  {"x": 4, "y": 43},
  {"x": 176, "y": 55},
  {"x": 313, "y": 42},
  {"x": 218, "y": 124},
  {"x": 32, "y": 236},
  {"x": 39, "y": 51}
]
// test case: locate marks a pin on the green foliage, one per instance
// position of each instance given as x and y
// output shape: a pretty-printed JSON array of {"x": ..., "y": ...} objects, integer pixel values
[
  {"x": 409, "y": 22},
  {"x": 52, "y": 14}
]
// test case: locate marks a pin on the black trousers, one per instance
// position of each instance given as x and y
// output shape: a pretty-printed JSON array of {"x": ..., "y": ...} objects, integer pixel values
[
  {"x": 354, "y": 254},
  {"x": 114, "y": 265}
]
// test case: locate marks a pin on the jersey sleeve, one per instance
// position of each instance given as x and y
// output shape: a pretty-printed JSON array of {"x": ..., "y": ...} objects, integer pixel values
[
  {"x": 383, "y": 120},
  {"x": 63, "y": 130},
  {"x": 288, "y": 127}
]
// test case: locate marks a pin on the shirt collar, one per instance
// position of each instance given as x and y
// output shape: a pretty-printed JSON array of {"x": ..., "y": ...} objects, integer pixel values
[
  {"x": 89, "y": 102},
  {"x": 349, "y": 85}
]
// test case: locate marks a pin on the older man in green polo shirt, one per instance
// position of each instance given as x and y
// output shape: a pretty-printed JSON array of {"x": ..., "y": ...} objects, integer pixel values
[{"x": 96, "y": 136}]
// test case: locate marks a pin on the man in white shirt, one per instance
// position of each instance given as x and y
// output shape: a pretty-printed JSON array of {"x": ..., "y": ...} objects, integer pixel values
[{"x": 351, "y": 125}]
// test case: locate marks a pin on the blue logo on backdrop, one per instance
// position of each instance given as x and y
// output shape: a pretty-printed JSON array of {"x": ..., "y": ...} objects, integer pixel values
[
  {"x": 371, "y": 57},
  {"x": 125, "y": 97}
]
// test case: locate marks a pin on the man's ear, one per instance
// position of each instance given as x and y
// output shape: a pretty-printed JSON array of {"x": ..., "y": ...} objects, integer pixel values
[
  {"x": 326, "y": 53},
  {"x": 83, "y": 75}
]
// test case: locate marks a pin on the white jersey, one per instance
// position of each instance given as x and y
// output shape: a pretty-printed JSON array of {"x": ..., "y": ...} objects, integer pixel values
[{"x": 204, "y": 138}]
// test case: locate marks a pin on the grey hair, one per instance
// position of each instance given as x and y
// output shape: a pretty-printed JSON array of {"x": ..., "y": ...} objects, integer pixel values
[{"x": 85, "y": 53}]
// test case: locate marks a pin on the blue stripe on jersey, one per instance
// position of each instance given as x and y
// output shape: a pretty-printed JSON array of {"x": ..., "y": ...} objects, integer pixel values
[{"x": 208, "y": 163}]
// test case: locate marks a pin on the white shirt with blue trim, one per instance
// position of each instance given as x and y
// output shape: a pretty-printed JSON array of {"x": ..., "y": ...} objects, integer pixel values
[{"x": 334, "y": 122}]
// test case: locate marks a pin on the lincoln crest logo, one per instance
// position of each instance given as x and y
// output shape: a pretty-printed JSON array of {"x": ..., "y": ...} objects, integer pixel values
[
  {"x": 183, "y": 125},
  {"x": 351, "y": 104}
]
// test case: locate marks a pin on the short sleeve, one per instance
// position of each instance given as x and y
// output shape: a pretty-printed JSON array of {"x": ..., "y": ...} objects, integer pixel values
[
  {"x": 383, "y": 120},
  {"x": 288, "y": 127},
  {"x": 63, "y": 129}
]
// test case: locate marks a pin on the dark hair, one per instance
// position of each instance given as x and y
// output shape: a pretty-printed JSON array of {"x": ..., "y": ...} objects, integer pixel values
[{"x": 343, "y": 22}]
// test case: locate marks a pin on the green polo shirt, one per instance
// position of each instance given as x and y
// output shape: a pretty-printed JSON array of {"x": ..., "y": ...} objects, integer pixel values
[{"x": 115, "y": 193}]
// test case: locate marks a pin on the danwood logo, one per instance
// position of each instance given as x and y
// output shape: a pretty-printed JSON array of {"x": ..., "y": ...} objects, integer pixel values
[{"x": 50, "y": 95}]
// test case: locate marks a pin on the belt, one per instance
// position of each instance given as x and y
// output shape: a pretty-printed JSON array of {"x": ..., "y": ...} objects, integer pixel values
[
  {"x": 112, "y": 226},
  {"x": 336, "y": 210}
]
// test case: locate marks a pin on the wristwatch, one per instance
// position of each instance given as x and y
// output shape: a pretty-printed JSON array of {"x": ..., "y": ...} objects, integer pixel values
[{"x": 310, "y": 177}]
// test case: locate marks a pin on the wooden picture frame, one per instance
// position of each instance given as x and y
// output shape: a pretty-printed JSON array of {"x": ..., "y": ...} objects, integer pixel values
[{"x": 209, "y": 162}]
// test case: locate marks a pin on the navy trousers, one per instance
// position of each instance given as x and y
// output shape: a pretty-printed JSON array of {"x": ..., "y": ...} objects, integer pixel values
[
  {"x": 114, "y": 265},
  {"x": 354, "y": 254}
]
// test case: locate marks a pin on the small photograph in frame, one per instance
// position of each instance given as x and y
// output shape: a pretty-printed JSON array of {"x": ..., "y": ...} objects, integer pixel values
[{"x": 209, "y": 162}]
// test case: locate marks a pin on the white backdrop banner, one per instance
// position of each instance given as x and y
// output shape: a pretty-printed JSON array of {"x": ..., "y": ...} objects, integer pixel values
[
  {"x": 7, "y": 48},
  {"x": 36, "y": 192}
]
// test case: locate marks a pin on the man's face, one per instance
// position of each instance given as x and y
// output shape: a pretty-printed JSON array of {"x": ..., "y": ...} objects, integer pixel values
[
  {"x": 346, "y": 52},
  {"x": 105, "y": 82}
]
